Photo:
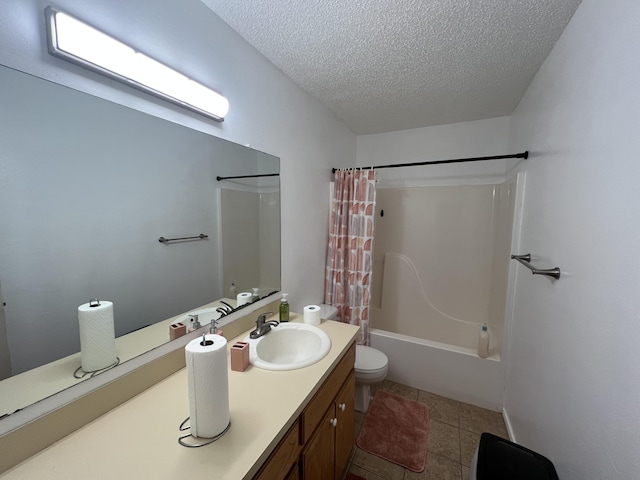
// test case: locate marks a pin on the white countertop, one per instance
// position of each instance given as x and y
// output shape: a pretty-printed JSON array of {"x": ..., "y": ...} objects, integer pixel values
[{"x": 138, "y": 439}]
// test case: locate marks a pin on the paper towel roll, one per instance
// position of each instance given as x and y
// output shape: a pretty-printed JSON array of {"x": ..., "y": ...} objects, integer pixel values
[
  {"x": 208, "y": 386},
  {"x": 97, "y": 335},
  {"x": 311, "y": 314},
  {"x": 243, "y": 298}
]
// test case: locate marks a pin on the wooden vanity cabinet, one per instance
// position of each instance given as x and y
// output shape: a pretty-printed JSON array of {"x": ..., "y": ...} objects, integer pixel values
[
  {"x": 283, "y": 462},
  {"x": 319, "y": 444},
  {"x": 317, "y": 459},
  {"x": 345, "y": 424},
  {"x": 326, "y": 455}
]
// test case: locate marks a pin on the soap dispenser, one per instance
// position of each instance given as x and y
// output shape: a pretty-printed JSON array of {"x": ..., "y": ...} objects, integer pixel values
[
  {"x": 284, "y": 308},
  {"x": 195, "y": 323},
  {"x": 255, "y": 296},
  {"x": 213, "y": 328},
  {"x": 483, "y": 342},
  {"x": 233, "y": 290}
]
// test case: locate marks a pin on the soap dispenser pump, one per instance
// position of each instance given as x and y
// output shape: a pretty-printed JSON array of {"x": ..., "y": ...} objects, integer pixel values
[{"x": 284, "y": 308}]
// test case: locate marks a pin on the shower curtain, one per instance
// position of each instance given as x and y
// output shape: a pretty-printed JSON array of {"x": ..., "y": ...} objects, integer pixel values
[{"x": 350, "y": 248}]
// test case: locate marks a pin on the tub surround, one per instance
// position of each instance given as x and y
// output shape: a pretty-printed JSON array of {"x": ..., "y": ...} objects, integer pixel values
[
  {"x": 138, "y": 439},
  {"x": 451, "y": 372}
]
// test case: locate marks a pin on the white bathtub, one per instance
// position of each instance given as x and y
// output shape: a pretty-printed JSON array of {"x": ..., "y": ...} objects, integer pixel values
[{"x": 450, "y": 371}]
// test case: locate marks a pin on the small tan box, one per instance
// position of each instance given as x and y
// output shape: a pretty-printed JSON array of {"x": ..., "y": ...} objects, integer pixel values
[
  {"x": 176, "y": 330},
  {"x": 239, "y": 356}
]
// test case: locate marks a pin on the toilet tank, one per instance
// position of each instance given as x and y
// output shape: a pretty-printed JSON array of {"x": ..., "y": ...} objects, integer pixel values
[{"x": 328, "y": 311}]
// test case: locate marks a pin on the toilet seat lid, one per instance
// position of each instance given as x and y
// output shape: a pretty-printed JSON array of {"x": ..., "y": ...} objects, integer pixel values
[{"x": 368, "y": 358}]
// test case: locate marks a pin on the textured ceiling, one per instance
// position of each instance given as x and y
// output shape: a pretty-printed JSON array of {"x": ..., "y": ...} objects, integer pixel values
[{"x": 385, "y": 65}]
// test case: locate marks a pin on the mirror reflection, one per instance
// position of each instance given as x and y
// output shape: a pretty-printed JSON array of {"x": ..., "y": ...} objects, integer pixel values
[{"x": 87, "y": 188}]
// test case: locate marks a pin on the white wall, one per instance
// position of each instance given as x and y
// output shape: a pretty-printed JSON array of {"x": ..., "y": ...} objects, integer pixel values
[
  {"x": 573, "y": 389},
  {"x": 457, "y": 140},
  {"x": 268, "y": 111}
]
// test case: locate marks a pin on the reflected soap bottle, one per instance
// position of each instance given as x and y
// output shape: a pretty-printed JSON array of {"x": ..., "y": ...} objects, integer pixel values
[
  {"x": 483, "y": 342},
  {"x": 233, "y": 291},
  {"x": 255, "y": 296}
]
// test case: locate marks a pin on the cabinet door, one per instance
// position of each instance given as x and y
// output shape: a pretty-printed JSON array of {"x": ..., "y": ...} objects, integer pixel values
[
  {"x": 294, "y": 474},
  {"x": 284, "y": 458},
  {"x": 317, "y": 457},
  {"x": 345, "y": 426}
]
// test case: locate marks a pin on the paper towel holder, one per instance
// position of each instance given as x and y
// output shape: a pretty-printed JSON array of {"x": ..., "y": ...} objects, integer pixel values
[
  {"x": 80, "y": 373},
  {"x": 183, "y": 427},
  {"x": 207, "y": 441}
]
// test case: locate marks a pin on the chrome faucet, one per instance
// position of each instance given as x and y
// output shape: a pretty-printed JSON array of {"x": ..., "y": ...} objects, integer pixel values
[{"x": 262, "y": 326}]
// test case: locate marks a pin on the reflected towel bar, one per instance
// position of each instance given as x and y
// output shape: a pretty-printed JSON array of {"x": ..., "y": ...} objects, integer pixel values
[
  {"x": 525, "y": 259},
  {"x": 202, "y": 236}
]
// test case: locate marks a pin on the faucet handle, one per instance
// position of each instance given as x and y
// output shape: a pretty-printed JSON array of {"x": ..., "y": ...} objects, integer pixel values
[{"x": 262, "y": 318}]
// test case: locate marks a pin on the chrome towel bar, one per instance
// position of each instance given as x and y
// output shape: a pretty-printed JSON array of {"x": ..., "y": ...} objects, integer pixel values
[
  {"x": 526, "y": 258},
  {"x": 202, "y": 236}
]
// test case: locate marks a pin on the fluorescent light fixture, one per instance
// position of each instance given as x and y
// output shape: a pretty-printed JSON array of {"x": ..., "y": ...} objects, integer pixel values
[{"x": 77, "y": 42}]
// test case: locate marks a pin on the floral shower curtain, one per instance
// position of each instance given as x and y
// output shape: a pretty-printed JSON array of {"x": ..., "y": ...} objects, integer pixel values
[{"x": 350, "y": 250}]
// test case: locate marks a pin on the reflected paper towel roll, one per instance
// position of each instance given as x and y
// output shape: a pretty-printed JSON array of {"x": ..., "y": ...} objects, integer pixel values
[
  {"x": 208, "y": 385},
  {"x": 311, "y": 314},
  {"x": 97, "y": 335},
  {"x": 243, "y": 298}
]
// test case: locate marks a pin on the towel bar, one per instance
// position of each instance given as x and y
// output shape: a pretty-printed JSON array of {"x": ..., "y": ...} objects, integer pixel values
[
  {"x": 202, "y": 236},
  {"x": 526, "y": 258}
]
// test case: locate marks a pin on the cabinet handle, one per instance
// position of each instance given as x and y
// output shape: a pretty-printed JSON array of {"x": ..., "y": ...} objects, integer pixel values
[
  {"x": 333, "y": 421},
  {"x": 342, "y": 406}
]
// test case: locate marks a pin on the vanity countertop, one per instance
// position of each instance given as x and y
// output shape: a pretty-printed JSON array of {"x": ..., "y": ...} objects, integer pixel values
[
  {"x": 21, "y": 390},
  {"x": 139, "y": 439}
]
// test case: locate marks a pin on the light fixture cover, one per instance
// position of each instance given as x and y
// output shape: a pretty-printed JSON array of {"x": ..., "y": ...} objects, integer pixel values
[{"x": 79, "y": 43}]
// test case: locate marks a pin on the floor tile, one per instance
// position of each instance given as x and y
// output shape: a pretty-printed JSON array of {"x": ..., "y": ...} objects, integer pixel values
[
  {"x": 377, "y": 465},
  {"x": 364, "y": 473},
  {"x": 469, "y": 442},
  {"x": 478, "y": 420},
  {"x": 359, "y": 418},
  {"x": 438, "y": 468},
  {"x": 443, "y": 439},
  {"x": 400, "y": 390},
  {"x": 466, "y": 473},
  {"x": 440, "y": 408}
]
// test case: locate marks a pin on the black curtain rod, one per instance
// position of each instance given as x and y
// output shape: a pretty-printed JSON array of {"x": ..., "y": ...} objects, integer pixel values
[
  {"x": 249, "y": 176},
  {"x": 524, "y": 155}
]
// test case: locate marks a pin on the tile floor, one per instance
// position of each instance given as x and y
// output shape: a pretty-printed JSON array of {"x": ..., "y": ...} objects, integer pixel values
[{"x": 454, "y": 433}]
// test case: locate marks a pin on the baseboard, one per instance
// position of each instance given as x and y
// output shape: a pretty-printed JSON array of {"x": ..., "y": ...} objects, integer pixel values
[{"x": 507, "y": 423}]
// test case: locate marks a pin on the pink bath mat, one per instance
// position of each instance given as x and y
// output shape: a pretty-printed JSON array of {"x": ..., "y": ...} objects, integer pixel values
[{"x": 395, "y": 429}]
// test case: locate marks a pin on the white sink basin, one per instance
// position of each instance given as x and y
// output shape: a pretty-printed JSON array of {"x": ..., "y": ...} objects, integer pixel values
[{"x": 289, "y": 346}]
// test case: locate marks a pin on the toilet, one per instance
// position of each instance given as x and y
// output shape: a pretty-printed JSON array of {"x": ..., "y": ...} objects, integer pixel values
[{"x": 370, "y": 368}]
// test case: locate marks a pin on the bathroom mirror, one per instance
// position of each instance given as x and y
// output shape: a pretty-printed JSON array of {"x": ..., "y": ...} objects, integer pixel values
[{"x": 87, "y": 188}]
